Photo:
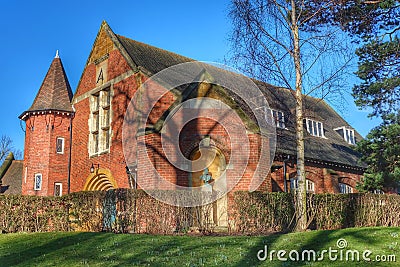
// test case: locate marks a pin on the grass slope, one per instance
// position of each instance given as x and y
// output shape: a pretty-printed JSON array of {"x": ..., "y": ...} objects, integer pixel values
[{"x": 106, "y": 249}]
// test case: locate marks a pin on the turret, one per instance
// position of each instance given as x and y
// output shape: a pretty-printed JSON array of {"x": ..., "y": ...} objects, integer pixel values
[{"x": 48, "y": 135}]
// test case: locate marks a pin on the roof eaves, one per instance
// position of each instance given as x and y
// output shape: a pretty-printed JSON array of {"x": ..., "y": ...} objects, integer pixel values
[
  {"x": 121, "y": 48},
  {"x": 46, "y": 111},
  {"x": 282, "y": 153}
]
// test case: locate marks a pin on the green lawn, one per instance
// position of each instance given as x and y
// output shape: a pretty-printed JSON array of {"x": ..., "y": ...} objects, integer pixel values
[{"x": 106, "y": 249}]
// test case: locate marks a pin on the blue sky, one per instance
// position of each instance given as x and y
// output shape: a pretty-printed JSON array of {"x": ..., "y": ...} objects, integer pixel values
[{"x": 32, "y": 31}]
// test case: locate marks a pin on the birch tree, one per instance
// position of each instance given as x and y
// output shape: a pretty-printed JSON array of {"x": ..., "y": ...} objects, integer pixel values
[{"x": 273, "y": 42}]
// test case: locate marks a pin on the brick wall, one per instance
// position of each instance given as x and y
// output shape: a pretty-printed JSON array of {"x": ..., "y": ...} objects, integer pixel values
[
  {"x": 326, "y": 179},
  {"x": 113, "y": 161},
  {"x": 239, "y": 173},
  {"x": 40, "y": 154}
]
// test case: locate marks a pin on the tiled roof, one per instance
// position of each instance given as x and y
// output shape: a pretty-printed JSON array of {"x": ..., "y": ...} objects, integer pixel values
[
  {"x": 151, "y": 58},
  {"x": 332, "y": 149},
  {"x": 55, "y": 92},
  {"x": 11, "y": 182}
]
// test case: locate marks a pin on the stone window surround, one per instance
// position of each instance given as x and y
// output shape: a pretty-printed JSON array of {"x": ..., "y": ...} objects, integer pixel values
[{"x": 100, "y": 134}]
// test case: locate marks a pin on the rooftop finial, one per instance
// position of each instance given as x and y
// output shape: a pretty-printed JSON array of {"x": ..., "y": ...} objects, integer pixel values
[{"x": 57, "y": 56}]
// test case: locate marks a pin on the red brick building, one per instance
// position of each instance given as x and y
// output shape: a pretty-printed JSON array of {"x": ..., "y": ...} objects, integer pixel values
[{"x": 75, "y": 142}]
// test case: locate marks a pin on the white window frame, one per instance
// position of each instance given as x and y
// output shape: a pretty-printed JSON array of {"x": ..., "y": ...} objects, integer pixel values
[
  {"x": 378, "y": 192},
  {"x": 316, "y": 128},
  {"x": 310, "y": 185},
  {"x": 62, "y": 146},
  {"x": 348, "y": 134},
  {"x": 345, "y": 188},
  {"x": 277, "y": 117},
  {"x": 55, "y": 186},
  {"x": 35, "y": 187},
  {"x": 100, "y": 122}
]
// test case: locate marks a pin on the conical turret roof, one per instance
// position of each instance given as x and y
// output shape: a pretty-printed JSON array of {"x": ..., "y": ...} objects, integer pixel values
[{"x": 55, "y": 92}]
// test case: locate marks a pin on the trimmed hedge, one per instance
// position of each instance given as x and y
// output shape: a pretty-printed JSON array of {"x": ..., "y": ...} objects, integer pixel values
[
  {"x": 133, "y": 211},
  {"x": 33, "y": 214},
  {"x": 354, "y": 210},
  {"x": 259, "y": 212},
  {"x": 120, "y": 210},
  {"x": 268, "y": 212}
]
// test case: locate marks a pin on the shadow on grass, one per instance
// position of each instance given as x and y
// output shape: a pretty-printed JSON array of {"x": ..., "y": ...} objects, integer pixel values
[
  {"x": 339, "y": 241},
  {"x": 251, "y": 257},
  {"x": 107, "y": 249},
  {"x": 318, "y": 241},
  {"x": 39, "y": 248}
]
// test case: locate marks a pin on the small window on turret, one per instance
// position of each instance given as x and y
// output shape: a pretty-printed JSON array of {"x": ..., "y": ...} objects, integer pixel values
[
  {"x": 58, "y": 189},
  {"x": 38, "y": 182},
  {"x": 60, "y": 145}
]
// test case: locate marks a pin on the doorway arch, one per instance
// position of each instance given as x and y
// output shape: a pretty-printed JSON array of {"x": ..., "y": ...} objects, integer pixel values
[
  {"x": 100, "y": 180},
  {"x": 216, "y": 168}
]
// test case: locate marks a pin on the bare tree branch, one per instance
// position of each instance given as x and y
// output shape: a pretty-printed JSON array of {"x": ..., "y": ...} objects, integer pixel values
[{"x": 5, "y": 147}]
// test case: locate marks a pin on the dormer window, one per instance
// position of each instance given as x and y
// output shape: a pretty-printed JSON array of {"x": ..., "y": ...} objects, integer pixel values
[
  {"x": 277, "y": 116},
  {"x": 315, "y": 128},
  {"x": 347, "y": 134}
]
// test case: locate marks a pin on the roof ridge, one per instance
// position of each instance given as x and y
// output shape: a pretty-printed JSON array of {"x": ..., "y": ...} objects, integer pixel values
[
  {"x": 155, "y": 47},
  {"x": 53, "y": 82},
  {"x": 191, "y": 59}
]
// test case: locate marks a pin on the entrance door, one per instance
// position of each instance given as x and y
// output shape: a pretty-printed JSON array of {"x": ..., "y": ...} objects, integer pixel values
[{"x": 216, "y": 169}]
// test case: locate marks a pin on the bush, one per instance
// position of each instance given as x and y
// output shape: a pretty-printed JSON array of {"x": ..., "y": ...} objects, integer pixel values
[
  {"x": 265, "y": 212},
  {"x": 259, "y": 212},
  {"x": 33, "y": 214},
  {"x": 133, "y": 211}
]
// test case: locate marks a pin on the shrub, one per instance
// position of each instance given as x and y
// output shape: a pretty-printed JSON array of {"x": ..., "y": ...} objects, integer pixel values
[{"x": 133, "y": 211}]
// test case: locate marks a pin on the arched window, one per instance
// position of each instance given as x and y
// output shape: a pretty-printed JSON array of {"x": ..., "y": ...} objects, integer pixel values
[{"x": 345, "y": 188}]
